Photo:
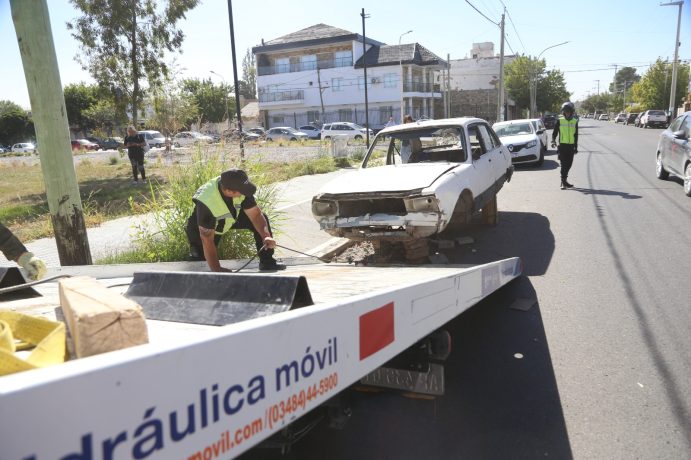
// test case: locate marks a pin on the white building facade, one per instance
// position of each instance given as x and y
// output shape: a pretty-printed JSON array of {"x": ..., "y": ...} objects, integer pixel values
[{"x": 316, "y": 75}]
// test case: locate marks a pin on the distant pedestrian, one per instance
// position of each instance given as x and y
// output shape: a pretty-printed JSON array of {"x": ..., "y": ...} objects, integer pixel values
[
  {"x": 135, "y": 144},
  {"x": 408, "y": 147},
  {"x": 215, "y": 213},
  {"x": 391, "y": 122},
  {"x": 13, "y": 249},
  {"x": 566, "y": 128}
]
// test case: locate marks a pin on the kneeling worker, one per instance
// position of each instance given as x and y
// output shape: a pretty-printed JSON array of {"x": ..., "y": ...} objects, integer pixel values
[
  {"x": 13, "y": 249},
  {"x": 214, "y": 214}
]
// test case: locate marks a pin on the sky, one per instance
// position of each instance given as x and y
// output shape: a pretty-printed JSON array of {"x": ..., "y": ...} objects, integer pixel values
[{"x": 601, "y": 34}]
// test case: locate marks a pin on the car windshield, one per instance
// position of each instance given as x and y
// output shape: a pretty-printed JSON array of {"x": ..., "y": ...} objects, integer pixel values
[
  {"x": 292, "y": 130},
  {"x": 429, "y": 144},
  {"x": 656, "y": 112},
  {"x": 513, "y": 129}
]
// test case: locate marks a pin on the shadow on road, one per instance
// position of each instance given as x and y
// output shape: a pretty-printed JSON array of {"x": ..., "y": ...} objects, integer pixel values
[{"x": 592, "y": 191}]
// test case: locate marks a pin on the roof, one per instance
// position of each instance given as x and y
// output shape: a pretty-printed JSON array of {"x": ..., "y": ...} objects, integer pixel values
[
  {"x": 313, "y": 35},
  {"x": 251, "y": 110},
  {"x": 409, "y": 53},
  {"x": 460, "y": 121}
]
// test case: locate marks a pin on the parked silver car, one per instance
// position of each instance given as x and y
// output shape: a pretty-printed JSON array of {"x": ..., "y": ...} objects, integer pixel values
[
  {"x": 285, "y": 133},
  {"x": 674, "y": 153}
]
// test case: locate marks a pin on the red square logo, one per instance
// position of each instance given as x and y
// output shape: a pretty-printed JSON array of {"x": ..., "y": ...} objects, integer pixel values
[{"x": 376, "y": 330}]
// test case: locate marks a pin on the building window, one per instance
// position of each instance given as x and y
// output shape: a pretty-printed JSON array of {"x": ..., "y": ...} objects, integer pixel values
[
  {"x": 282, "y": 65},
  {"x": 345, "y": 114},
  {"x": 385, "y": 112},
  {"x": 336, "y": 84},
  {"x": 390, "y": 80},
  {"x": 361, "y": 83},
  {"x": 312, "y": 115},
  {"x": 277, "y": 119},
  {"x": 308, "y": 62},
  {"x": 343, "y": 58}
]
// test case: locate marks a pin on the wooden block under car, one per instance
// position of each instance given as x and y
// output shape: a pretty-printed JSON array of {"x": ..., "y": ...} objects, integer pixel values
[{"x": 99, "y": 319}]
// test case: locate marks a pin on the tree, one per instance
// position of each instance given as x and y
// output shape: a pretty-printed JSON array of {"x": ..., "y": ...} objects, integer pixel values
[
  {"x": 79, "y": 97},
  {"x": 625, "y": 75},
  {"x": 104, "y": 116},
  {"x": 653, "y": 90},
  {"x": 174, "y": 109},
  {"x": 15, "y": 124},
  {"x": 124, "y": 43},
  {"x": 551, "y": 87},
  {"x": 210, "y": 99},
  {"x": 248, "y": 85}
]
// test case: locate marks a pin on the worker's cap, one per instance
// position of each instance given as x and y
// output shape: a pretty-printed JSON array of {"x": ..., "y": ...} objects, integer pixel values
[{"x": 236, "y": 179}]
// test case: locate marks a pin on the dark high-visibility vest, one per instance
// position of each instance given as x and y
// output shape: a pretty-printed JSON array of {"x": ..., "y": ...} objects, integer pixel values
[
  {"x": 211, "y": 197},
  {"x": 567, "y": 130}
]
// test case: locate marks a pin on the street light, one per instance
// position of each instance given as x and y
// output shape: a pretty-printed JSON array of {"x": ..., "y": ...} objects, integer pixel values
[
  {"x": 533, "y": 86},
  {"x": 225, "y": 94},
  {"x": 400, "y": 64},
  {"x": 673, "y": 94}
]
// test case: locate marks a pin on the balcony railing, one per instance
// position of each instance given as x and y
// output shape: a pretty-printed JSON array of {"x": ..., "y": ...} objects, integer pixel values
[
  {"x": 282, "y": 96},
  {"x": 303, "y": 66},
  {"x": 417, "y": 87}
]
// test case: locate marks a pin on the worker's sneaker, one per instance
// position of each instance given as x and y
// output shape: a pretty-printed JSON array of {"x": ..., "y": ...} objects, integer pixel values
[
  {"x": 270, "y": 265},
  {"x": 568, "y": 185}
]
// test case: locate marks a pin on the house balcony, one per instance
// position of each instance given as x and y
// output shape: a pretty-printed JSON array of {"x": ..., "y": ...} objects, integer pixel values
[
  {"x": 419, "y": 89},
  {"x": 303, "y": 66},
  {"x": 295, "y": 97}
]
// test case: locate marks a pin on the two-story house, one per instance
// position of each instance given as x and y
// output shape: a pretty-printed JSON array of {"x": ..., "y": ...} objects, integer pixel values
[{"x": 316, "y": 75}]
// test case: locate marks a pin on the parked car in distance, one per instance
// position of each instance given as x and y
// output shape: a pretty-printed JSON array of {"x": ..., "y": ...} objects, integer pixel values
[
  {"x": 259, "y": 131},
  {"x": 655, "y": 118},
  {"x": 85, "y": 144},
  {"x": 603, "y": 117},
  {"x": 112, "y": 143},
  {"x": 187, "y": 138},
  {"x": 416, "y": 180},
  {"x": 234, "y": 135},
  {"x": 153, "y": 138},
  {"x": 637, "y": 121},
  {"x": 541, "y": 132},
  {"x": 673, "y": 155},
  {"x": 24, "y": 147},
  {"x": 631, "y": 118},
  {"x": 522, "y": 141},
  {"x": 312, "y": 131},
  {"x": 347, "y": 129},
  {"x": 285, "y": 133},
  {"x": 620, "y": 118},
  {"x": 549, "y": 121}
]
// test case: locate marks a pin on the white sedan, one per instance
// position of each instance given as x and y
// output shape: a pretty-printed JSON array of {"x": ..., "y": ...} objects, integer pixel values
[
  {"x": 24, "y": 147},
  {"x": 187, "y": 138},
  {"x": 416, "y": 180},
  {"x": 312, "y": 131},
  {"x": 522, "y": 140}
]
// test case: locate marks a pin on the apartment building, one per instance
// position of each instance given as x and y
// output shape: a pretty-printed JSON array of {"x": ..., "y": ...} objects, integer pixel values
[{"x": 316, "y": 75}]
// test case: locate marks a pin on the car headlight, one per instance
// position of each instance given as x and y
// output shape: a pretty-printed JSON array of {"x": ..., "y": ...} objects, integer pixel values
[
  {"x": 531, "y": 144},
  {"x": 324, "y": 208},
  {"x": 422, "y": 204}
]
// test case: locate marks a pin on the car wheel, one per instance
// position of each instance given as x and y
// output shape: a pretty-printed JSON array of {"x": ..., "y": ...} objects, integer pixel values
[
  {"x": 327, "y": 138},
  {"x": 660, "y": 171},
  {"x": 645, "y": 125},
  {"x": 462, "y": 213},
  {"x": 293, "y": 139},
  {"x": 687, "y": 180},
  {"x": 358, "y": 138},
  {"x": 542, "y": 156},
  {"x": 176, "y": 144}
]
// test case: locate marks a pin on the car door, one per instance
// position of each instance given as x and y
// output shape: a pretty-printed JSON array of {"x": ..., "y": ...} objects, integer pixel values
[
  {"x": 482, "y": 151},
  {"x": 680, "y": 147}
]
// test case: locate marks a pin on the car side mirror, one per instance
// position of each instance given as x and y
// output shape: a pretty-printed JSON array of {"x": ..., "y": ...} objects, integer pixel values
[
  {"x": 540, "y": 131},
  {"x": 681, "y": 134}
]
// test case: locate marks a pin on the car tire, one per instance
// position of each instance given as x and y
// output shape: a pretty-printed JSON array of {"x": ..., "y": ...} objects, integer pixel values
[
  {"x": 660, "y": 171},
  {"x": 327, "y": 138},
  {"x": 293, "y": 139},
  {"x": 462, "y": 213},
  {"x": 542, "y": 155},
  {"x": 176, "y": 144},
  {"x": 687, "y": 180},
  {"x": 268, "y": 139},
  {"x": 645, "y": 126},
  {"x": 358, "y": 138}
]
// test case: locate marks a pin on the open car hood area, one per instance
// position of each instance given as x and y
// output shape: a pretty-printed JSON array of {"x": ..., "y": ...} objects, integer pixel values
[{"x": 390, "y": 178}]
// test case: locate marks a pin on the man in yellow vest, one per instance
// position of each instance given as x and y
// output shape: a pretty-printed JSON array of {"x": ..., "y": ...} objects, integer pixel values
[
  {"x": 215, "y": 213},
  {"x": 566, "y": 128}
]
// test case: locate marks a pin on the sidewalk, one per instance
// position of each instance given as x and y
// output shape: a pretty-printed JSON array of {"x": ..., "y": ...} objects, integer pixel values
[{"x": 297, "y": 230}]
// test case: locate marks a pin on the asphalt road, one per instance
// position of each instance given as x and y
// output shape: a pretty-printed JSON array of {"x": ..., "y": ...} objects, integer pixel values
[{"x": 599, "y": 367}]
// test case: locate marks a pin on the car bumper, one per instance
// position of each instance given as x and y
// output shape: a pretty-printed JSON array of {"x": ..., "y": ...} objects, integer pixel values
[
  {"x": 526, "y": 155},
  {"x": 385, "y": 226}
]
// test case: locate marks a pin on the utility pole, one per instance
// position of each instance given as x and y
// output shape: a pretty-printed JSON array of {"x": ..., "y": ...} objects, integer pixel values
[
  {"x": 448, "y": 86},
  {"x": 500, "y": 99},
  {"x": 598, "y": 86},
  {"x": 673, "y": 94},
  {"x": 35, "y": 38},
  {"x": 364, "y": 65},
  {"x": 321, "y": 94},
  {"x": 238, "y": 109}
]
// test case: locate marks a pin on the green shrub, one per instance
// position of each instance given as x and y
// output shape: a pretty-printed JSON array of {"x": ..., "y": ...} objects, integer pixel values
[{"x": 113, "y": 160}]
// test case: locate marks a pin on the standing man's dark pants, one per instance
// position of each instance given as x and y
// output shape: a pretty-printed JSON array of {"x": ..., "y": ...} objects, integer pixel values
[
  {"x": 137, "y": 162},
  {"x": 242, "y": 223},
  {"x": 566, "y": 158}
]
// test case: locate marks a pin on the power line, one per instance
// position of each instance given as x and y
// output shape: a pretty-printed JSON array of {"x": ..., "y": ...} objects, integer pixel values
[
  {"x": 514, "y": 27},
  {"x": 481, "y": 13}
]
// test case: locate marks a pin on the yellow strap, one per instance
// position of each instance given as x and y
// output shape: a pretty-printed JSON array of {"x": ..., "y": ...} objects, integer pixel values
[{"x": 47, "y": 337}]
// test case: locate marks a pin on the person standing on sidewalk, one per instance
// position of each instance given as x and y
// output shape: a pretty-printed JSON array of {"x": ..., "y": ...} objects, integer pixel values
[
  {"x": 135, "y": 151},
  {"x": 215, "y": 213},
  {"x": 566, "y": 128},
  {"x": 13, "y": 249}
]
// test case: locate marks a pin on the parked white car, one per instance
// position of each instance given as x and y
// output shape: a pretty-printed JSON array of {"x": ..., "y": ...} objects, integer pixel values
[
  {"x": 522, "y": 140},
  {"x": 153, "y": 138},
  {"x": 349, "y": 130},
  {"x": 285, "y": 133},
  {"x": 656, "y": 118},
  {"x": 416, "y": 180},
  {"x": 541, "y": 131},
  {"x": 24, "y": 147},
  {"x": 187, "y": 138},
  {"x": 312, "y": 131}
]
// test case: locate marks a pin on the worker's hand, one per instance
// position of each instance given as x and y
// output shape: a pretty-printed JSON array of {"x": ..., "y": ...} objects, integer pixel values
[
  {"x": 35, "y": 267},
  {"x": 554, "y": 144},
  {"x": 269, "y": 243}
]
